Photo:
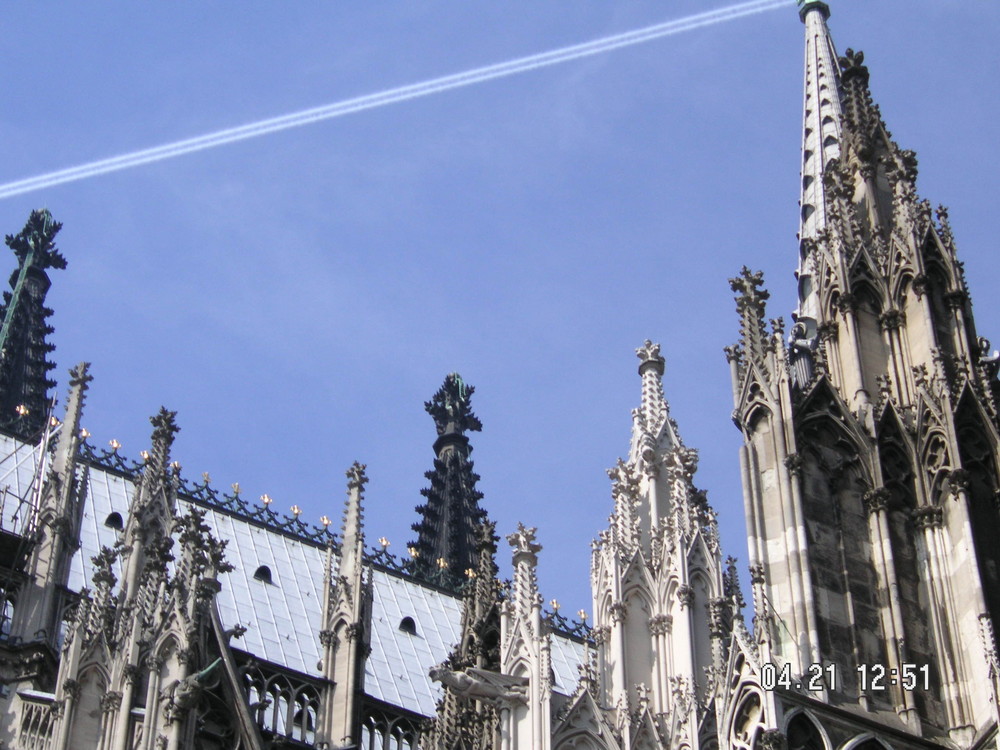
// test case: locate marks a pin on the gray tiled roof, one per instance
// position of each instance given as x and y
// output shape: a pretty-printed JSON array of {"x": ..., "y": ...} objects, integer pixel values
[
  {"x": 283, "y": 618},
  {"x": 396, "y": 671},
  {"x": 17, "y": 470}
]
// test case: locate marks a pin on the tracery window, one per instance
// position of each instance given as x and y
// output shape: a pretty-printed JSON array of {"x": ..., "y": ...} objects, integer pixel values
[
  {"x": 382, "y": 729},
  {"x": 282, "y": 705}
]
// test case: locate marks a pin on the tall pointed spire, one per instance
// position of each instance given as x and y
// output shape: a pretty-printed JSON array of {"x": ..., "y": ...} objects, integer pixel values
[
  {"x": 58, "y": 526},
  {"x": 821, "y": 136},
  {"x": 24, "y": 367},
  {"x": 652, "y": 429},
  {"x": 446, "y": 540},
  {"x": 346, "y": 616},
  {"x": 353, "y": 531},
  {"x": 153, "y": 511}
]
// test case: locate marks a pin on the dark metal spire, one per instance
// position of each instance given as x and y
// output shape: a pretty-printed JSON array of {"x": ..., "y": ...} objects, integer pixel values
[
  {"x": 24, "y": 367},
  {"x": 446, "y": 533}
]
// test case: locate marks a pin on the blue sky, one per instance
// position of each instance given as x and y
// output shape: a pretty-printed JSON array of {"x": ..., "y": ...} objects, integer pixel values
[{"x": 296, "y": 298}]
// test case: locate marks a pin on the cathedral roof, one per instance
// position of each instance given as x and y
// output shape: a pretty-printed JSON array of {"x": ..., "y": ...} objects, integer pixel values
[{"x": 283, "y": 615}]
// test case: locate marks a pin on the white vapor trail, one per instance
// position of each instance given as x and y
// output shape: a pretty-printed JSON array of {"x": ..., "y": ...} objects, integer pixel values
[{"x": 390, "y": 96}]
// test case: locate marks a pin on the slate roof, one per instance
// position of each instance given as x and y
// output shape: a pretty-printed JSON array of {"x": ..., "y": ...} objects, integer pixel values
[{"x": 283, "y": 618}]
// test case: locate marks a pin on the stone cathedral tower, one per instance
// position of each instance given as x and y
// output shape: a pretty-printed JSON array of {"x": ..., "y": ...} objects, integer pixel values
[
  {"x": 142, "y": 611},
  {"x": 870, "y": 462}
]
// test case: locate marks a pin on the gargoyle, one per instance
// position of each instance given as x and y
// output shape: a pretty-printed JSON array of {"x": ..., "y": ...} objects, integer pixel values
[{"x": 480, "y": 684}]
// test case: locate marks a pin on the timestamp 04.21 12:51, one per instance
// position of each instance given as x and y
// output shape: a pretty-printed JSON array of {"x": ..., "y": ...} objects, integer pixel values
[{"x": 871, "y": 677}]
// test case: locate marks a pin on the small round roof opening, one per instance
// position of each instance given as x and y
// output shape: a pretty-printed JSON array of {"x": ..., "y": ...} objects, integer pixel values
[
  {"x": 114, "y": 521},
  {"x": 407, "y": 625},
  {"x": 263, "y": 573}
]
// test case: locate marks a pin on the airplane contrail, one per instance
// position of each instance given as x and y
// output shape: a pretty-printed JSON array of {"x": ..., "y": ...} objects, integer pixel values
[{"x": 389, "y": 96}]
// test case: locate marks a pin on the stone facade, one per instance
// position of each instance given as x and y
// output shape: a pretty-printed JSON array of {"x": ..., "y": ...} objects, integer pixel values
[{"x": 139, "y": 611}]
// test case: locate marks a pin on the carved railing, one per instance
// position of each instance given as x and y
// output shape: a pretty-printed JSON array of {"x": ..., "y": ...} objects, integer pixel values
[
  {"x": 282, "y": 705},
  {"x": 383, "y": 727},
  {"x": 37, "y": 718},
  {"x": 205, "y": 495},
  {"x": 575, "y": 629}
]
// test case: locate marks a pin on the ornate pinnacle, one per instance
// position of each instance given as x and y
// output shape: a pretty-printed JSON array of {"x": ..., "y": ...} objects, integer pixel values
[
  {"x": 352, "y": 528},
  {"x": 35, "y": 241},
  {"x": 750, "y": 304},
  {"x": 450, "y": 407},
  {"x": 164, "y": 427}
]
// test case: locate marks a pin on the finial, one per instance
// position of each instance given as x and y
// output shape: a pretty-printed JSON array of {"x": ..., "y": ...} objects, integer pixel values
[
  {"x": 852, "y": 65},
  {"x": 649, "y": 357},
  {"x": 80, "y": 375},
  {"x": 523, "y": 540},
  {"x": 356, "y": 477},
  {"x": 450, "y": 407},
  {"x": 748, "y": 284},
  {"x": 36, "y": 240}
]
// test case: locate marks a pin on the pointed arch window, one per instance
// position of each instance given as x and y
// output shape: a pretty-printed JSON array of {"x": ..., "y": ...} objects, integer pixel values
[
  {"x": 263, "y": 574},
  {"x": 114, "y": 521},
  {"x": 803, "y": 734}
]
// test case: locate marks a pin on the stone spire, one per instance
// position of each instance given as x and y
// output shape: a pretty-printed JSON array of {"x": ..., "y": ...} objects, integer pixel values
[
  {"x": 821, "y": 137},
  {"x": 353, "y": 539},
  {"x": 756, "y": 349},
  {"x": 58, "y": 526},
  {"x": 154, "y": 483},
  {"x": 652, "y": 428},
  {"x": 153, "y": 512},
  {"x": 346, "y": 612},
  {"x": 446, "y": 541},
  {"x": 69, "y": 437},
  {"x": 526, "y": 648},
  {"x": 24, "y": 367}
]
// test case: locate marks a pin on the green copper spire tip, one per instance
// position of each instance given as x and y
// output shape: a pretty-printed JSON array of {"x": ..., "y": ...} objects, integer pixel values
[{"x": 807, "y": 5}]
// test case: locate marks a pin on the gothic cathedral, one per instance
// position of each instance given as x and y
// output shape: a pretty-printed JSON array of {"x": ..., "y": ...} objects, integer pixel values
[{"x": 142, "y": 611}]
